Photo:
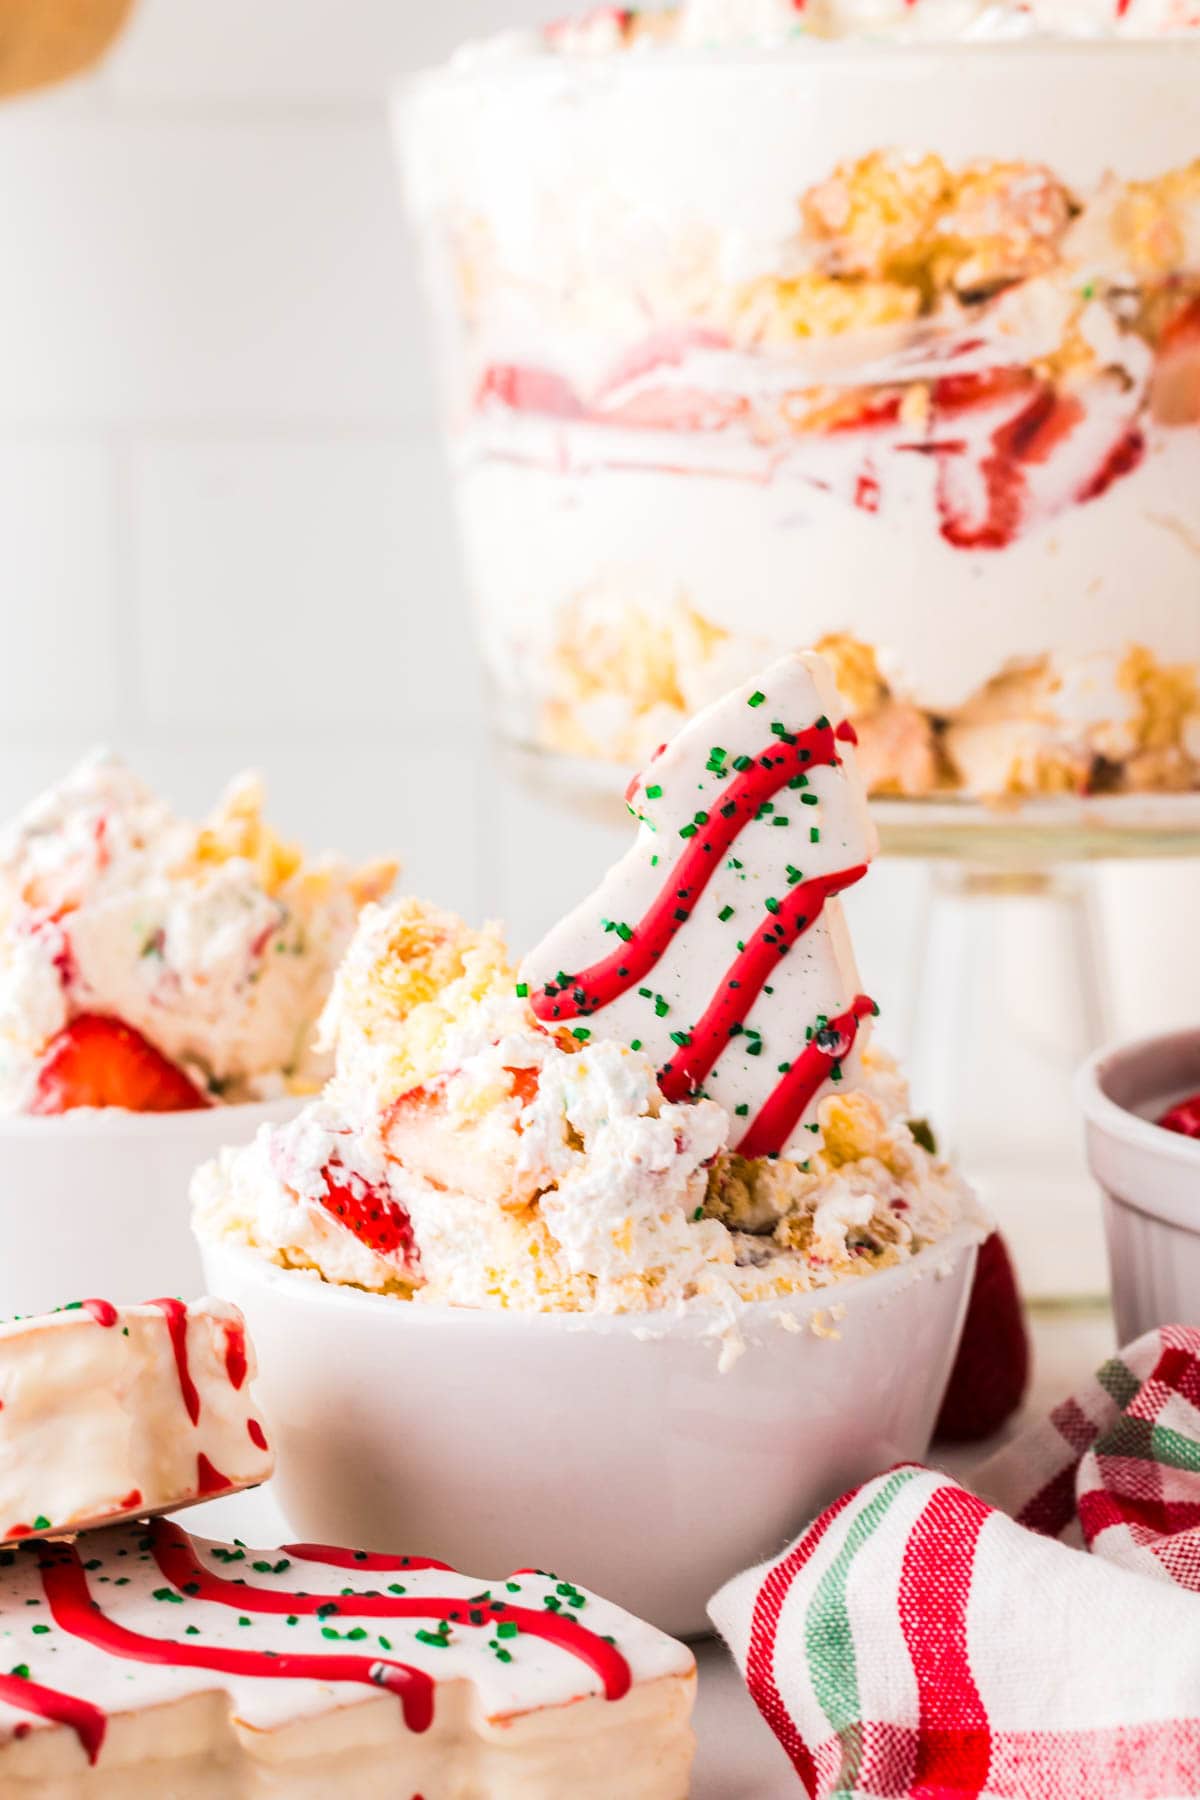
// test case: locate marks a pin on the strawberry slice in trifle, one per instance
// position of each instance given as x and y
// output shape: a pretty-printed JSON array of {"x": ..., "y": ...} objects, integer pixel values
[{"x": 674, "y": 1098}]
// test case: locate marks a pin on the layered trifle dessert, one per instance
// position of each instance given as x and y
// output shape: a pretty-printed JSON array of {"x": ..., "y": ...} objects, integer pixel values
[
  {"x": 675, "y": 1099},
  {"x": 157, "y": 965},
  {"x": 849, "y": 322}
]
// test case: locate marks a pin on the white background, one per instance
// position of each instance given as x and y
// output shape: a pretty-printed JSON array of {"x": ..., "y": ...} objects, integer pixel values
[{"x": 223, "y": 518}]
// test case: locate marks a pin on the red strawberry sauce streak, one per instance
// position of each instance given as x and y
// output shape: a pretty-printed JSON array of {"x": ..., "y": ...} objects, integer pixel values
[
  {"x": 605, "y": 981},
  {"x": 101, "y": 1312}
]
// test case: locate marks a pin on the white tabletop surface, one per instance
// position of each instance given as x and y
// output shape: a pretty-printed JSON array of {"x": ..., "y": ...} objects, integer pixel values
[{"x": 737, "y": 1756}]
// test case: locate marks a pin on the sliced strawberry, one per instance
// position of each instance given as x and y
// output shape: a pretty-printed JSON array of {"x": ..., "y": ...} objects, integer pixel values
[
  {"x": 663, "y": 349},
  {"x": 528, "y": 390},
  {"x": 100, "y": 1061},
  {"x": 371, "y": 1212},
  {"x": 991, "y": 1371},
  {"x": 683, "y": 409},
  {"x": 1175, "y": 387},
  {"x": 1183, "y": 1117},
  {"x": 872, "y": 408},
  {"x": 982, "y": 505}
]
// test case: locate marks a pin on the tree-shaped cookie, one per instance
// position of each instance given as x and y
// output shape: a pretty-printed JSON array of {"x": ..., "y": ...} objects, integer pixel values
[{"x": 717, "y": 944}]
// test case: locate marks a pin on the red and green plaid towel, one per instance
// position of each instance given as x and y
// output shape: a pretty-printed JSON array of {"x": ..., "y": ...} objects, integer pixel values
[{"x": 919, "y": 1640}]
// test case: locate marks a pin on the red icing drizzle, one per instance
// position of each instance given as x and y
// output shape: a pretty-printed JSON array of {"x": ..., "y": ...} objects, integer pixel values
[
  {"x": 75, "y": 1612},
  {"x": 208, "y": 1479},
  {"x": 85, "y": 1720},
  {"x": 102, "y": 1311},
  {"x": 175, "y": 1313},
  {"x": 605, "y": 981},
  {"x": 176, "y": 1557},
  {"x": 256, "y": 1434},
  {"x": 783, "y": 1109},
  {"x": 744, "y": 980},
  {"x": 335, "y": 1558},
  {"x": 132, "y": 1499},
  {"x": 235, "y": 1355}
]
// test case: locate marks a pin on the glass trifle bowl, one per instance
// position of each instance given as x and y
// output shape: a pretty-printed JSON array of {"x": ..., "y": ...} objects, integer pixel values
[{"x": 766, "y": 326}]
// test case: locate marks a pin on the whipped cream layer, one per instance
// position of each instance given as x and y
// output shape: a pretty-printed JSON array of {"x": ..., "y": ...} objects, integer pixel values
[
  {"x": 114, "y": 1411},
  {"x": 215, "y": 942},
  {"x": 142, "y": 1661},
  {"x": 794, "y": 24},
  {"x": 920, "y": 377}
]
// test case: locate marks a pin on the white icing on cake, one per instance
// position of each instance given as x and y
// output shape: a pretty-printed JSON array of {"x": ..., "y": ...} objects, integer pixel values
[
  {"x": 118, "y": 1411},
  {"x": 309, "y": 1671}
]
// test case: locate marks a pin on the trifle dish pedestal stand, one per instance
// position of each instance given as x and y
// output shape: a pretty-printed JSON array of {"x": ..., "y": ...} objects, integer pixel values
[{"x": 1010, "y": 980}]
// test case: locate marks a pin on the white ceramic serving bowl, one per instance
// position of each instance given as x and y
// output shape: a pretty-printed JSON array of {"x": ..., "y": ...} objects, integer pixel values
[
  {"x": 95, "y": 1202},
  {"x": 611, "y": 1449},
  {"x": 1150, "y": 1178}
]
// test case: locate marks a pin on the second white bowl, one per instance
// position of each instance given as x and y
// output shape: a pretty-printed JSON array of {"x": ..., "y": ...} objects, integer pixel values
[
  {"x": 95, "y": 1202},
  {"x": 609, "y": 1449},
  {"x": 1150, "y": 1178}
]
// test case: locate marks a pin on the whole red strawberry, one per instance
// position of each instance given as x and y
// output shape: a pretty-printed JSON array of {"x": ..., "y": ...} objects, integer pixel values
[
  {"x": 100, "y": 1061},
  {"x": 1183, "y": 1117},
  {"x": 991, "y": 1371}
]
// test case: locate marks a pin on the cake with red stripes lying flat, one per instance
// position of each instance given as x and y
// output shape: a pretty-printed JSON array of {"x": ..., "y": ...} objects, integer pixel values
[
  {"x": 675, "y": 1099},
  {"x": 110, "y": 1412},
  {"x": 142, "y": 1662}
]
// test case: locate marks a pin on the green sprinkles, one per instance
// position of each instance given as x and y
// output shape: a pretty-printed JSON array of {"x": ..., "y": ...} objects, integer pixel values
[
  {"x": 522, "y": 990},
  {"x": 581, "y": 1032},
  {"x": 725, "y": 914},
  {"x": 756, "y": 698},
  {"x": 654, "y": 792}
]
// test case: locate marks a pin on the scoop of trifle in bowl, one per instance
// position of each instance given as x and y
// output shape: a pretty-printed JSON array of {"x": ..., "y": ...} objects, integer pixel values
[
  {"x": 631, "y": 1253},
  {"x": 159, "y": 986},
  {"x": 870, "y": 324}
]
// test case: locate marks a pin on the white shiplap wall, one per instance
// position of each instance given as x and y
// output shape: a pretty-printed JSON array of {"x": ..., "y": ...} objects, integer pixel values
[{"x": 223, "y": 517}]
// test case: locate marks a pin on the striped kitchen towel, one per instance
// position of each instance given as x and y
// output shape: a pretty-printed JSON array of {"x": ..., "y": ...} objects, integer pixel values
[{"x": 1042, "y": 1643}]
